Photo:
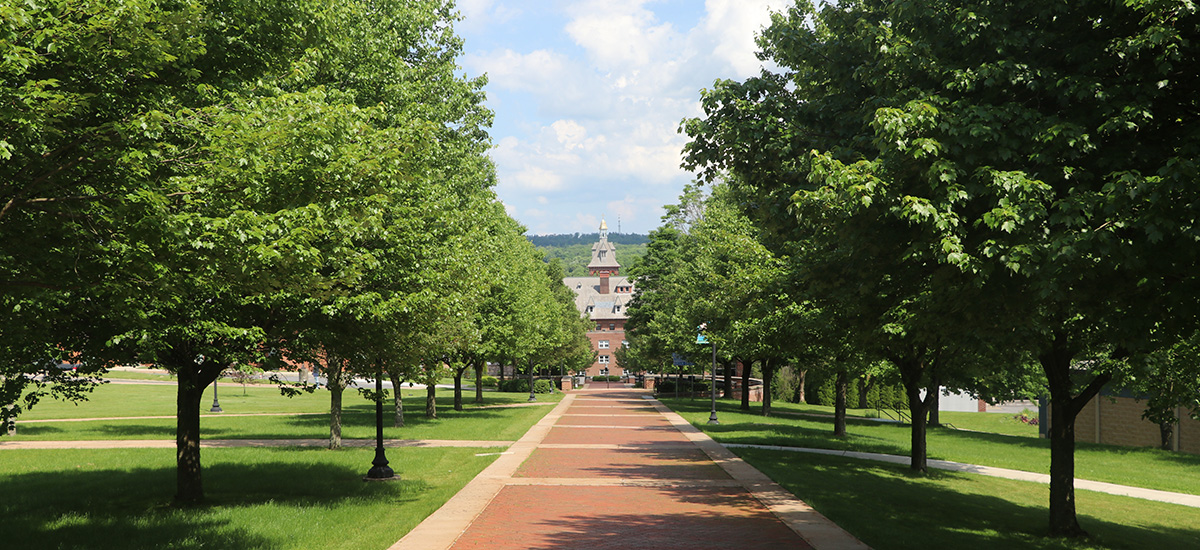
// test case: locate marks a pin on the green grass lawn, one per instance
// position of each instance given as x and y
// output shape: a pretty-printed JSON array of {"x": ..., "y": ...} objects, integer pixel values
[
  {"x": 1140, "y": 467},
  {"x": 122, "y": 400},
  {"x": 358, "y": 416},
  {"x": 891, "y": 509},
  {"x": 272, "y": 498}
]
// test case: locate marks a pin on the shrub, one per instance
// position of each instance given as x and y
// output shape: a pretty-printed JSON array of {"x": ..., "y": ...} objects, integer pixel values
[
  {"x": 603, "y": 378},
  {"x": 521, "y": 385},
  {"x": 490, "y": 381},
  {"x": 668, "y": 386},
  {"x": 881, "y": 395},
  {"x": 783, "y": 384}
]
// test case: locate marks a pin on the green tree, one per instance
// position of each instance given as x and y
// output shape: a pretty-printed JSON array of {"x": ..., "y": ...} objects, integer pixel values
[{"x": 1044, "y": 151}]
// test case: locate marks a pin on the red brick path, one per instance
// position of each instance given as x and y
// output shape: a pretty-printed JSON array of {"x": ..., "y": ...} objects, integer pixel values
[{"x": 626, "y": 480}]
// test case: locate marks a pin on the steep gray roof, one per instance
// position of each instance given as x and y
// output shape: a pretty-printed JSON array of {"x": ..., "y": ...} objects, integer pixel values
[
  {"x": 588, "y": 299},
  {"x": 604, "y": 254}
]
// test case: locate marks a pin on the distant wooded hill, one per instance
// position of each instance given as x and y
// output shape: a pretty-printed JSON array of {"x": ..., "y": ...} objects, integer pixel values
[{"x": 574, "y": 250}]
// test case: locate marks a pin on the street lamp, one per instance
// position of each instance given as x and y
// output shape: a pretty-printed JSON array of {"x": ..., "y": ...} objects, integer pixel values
[
  {"x": 379, "y": 470},
  {"x": 712, "y": 390},
  {"x": 712, "y": 387},
  {"x": 532, "y": 397},
  {"x": 216, "y": 408}
]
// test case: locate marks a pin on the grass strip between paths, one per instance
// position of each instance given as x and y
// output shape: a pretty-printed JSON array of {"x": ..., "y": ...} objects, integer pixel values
[{"x": 1137, "y": 467}]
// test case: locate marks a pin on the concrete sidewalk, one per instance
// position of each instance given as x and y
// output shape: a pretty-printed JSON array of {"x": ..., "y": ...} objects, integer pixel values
[{"x": 609, "y": 469}]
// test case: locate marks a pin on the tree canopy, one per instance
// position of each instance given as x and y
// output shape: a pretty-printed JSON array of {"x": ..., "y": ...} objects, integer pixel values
[
  {"x": 978, "y": 177},
  {"x": 204, "y": 183}
]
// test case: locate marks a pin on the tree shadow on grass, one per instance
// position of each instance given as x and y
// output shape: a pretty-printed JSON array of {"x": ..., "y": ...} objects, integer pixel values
[
  {"x": 131, "y": 508},
  {"x": 890, "y": 508}
]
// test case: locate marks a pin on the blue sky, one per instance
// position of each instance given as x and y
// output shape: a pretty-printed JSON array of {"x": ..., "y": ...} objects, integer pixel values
[{"x": 588, "y": 95}]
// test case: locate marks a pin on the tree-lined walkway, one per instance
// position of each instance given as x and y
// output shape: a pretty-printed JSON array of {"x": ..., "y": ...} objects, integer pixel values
[{"x": 616, "y": 469}]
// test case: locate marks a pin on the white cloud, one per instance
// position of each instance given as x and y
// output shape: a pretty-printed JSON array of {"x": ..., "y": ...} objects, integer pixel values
[
  {"x": 619, "y": 35},
  {"x": 531, "y": 72},
  {"x": 732, "y": 25},
  {"x": 571, "y": 135},
  {"x": 633, "y": 212},
  {"x": 479, "y": 14},
  {"x": 595, "y": 101},
  {"x": 537, "y": 178},
  {"x": 586, "y": 223}
]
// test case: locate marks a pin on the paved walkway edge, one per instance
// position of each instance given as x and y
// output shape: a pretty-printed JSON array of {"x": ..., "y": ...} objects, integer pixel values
[
  {"x": 1183, "y": 499},
  {"x": 813, "y": 527},
  {"x": 444, "y": 526}
]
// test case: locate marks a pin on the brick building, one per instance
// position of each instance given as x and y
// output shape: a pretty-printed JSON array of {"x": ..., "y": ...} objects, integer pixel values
[
  {"x": 603, "y": 297},
  {"x": 1117, "y": 420}
]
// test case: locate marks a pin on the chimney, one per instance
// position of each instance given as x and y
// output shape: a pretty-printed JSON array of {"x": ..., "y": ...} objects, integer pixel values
[{"x": 603, "y": 282}]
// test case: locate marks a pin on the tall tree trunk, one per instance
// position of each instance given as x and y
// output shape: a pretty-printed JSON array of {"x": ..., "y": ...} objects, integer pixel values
[
  {"x": 431, "y": 400},
  {"x": 917, "y": 411},
  {"x": 1166, "y": 433},
  {"x": 728, "y": 389},
  {"x": 192, "y": 379},
  {"x": 190, "y": 390},
  {"x": 768, "y": 368},
  {"x": 335, "y": 411},
  {"x": 746, "y": 385},
  {"x": 800, "y": 398},
  {"x": 934, "y": 394},
  {"x": 397, "y": 400},
  {"x": 1064, "y": 407},
  {"x": 864, "y": 386},
  {"x": 839, "y": 403},
  {"x": 912, "y": 370},
  {"x": 479, "y": 381},
  {"x": 458, "y": 376}
]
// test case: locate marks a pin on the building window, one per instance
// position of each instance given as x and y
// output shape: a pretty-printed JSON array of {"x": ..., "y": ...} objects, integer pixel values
[
  {"x": 604, "y": 344},
  {"x": 612, "y": 326},
  {"x": 603, "y": 359}
]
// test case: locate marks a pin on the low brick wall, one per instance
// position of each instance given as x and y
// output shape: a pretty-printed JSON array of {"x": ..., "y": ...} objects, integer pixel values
[{"x": 1118, "y": 421}]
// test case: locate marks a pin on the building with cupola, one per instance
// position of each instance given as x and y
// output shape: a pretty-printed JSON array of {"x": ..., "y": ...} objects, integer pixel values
[{"x": 603, "y": 297}]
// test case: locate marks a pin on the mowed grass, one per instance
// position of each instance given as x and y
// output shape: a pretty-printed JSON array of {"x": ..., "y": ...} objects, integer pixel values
[
  {"x": 890, "y": 508},
  {"x": 1139, "y": 467},
  {"x": 302, "y": 417},
  {"x": 270, "y": 498}
]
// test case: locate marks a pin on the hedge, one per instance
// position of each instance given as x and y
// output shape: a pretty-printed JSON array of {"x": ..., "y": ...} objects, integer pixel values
[
  {"x": 667, "y": 385},
  {"x": 521, "y": 385}
]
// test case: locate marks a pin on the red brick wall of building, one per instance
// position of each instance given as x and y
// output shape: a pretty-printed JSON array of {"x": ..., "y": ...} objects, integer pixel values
[{"x": 614, "y": 336}]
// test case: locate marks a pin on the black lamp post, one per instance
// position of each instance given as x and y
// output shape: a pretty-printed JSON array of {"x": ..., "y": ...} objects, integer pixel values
[
  {"x": 701, "y": 339},
  {"x": 531, "y": 396},
  {"x": 380, "y": 470},
  {"x": 216, "y": 408},
  {"x": 712, "y": 417}
]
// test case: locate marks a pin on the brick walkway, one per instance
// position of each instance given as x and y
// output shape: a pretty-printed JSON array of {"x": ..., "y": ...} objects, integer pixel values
[{"x": 609, "y": 469}]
